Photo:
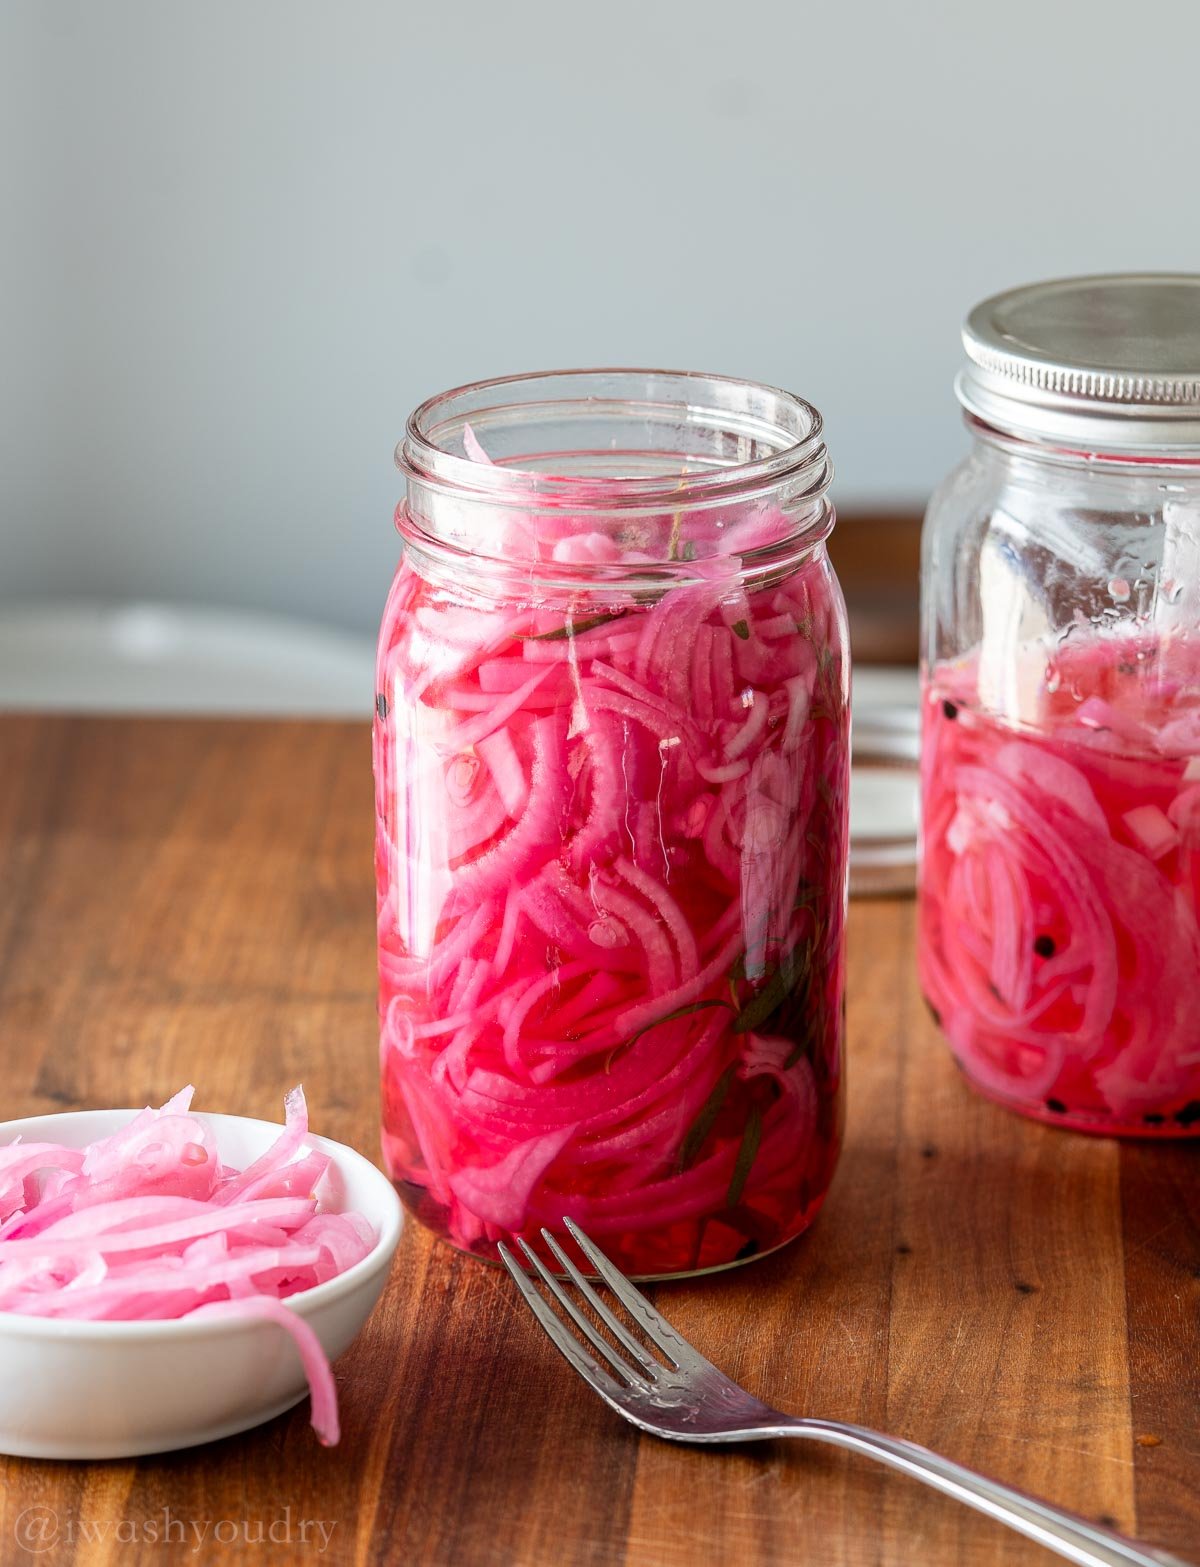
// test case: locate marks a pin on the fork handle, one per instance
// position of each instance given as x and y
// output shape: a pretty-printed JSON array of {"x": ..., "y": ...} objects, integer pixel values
[{"x": 1066, "y": 1533}]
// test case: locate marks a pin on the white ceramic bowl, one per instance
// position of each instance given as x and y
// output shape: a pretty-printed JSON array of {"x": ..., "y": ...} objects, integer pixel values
[{"x": 116, "y": 1389}]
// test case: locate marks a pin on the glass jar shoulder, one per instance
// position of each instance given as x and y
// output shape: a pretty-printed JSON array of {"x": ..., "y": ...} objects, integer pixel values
[
  {"x": 1020, "y": 546},
  {"x": 1060, "y": 501}
]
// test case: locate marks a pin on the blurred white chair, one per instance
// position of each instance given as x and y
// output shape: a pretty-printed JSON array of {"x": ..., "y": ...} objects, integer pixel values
[{"x": 179, "y": 658}]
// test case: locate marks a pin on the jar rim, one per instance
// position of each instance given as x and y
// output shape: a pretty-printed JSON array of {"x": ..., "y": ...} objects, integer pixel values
[
  {"x": 774, "y": 437},
  {"x": 1097, "y": 453}
]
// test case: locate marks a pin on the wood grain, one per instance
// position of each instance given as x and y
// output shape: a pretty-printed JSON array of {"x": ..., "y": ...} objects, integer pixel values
[{"x": 192, "y": 901}]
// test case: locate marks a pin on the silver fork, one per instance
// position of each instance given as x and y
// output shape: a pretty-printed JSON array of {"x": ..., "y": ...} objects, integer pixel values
[{"x": 689, "y": 1400}]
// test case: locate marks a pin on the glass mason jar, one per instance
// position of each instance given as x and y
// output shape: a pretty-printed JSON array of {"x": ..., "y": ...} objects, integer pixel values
[
  {"x": 1059, "y": 938},
  {"x": 611, "y": 783}
]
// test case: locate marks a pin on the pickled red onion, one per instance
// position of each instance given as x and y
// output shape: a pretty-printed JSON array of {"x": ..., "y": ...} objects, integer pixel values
[
  {"x": 1060, "y": 887},
  {"x": 148, "y": 1224},
  {"x": 610, "y": 857}
]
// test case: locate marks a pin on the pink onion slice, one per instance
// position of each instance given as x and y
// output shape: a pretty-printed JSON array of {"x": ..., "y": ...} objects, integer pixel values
[{"x": 321, "y": 1386}]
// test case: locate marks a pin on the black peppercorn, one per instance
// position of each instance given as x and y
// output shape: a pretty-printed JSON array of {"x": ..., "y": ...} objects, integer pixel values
[
  {"x": 949, "y": 709},
  {"x": 1044, "y": 946},
  {"x": 1057, "y": 1106}
]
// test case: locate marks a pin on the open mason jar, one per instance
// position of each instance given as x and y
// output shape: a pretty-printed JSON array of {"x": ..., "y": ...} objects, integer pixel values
[
  {"x": 611, "y": 780},
  {"x": 1060, "y": 864}
]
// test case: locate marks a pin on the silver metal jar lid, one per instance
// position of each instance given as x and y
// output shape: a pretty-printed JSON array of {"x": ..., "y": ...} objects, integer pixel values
[{"x": 1097, "y": 364}]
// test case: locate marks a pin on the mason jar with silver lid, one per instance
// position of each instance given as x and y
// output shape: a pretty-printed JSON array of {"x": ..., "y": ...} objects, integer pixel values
[{"x": 1059, "y": 943}]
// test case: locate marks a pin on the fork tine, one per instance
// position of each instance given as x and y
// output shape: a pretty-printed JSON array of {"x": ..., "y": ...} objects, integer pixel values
[
  {"x": 620, "y": 1366},
  {"x": 618, "y": 1329},
  {"x": 560, "y": 1335},
  {"x": 657, "y": 1328}
]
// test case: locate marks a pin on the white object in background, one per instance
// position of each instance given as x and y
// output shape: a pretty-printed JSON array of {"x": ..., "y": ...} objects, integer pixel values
[
  {"x": 884, "y": 785},
  {"x": 179, "y": 658},
  {"x": 115, "y": 1389}
]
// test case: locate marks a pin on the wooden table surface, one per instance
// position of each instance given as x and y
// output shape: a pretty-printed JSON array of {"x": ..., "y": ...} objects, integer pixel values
[{"x": 192, "y": 901}]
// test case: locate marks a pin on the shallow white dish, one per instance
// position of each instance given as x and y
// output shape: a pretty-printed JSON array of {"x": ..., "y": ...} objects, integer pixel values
[{"x": 116, "y": 1389}]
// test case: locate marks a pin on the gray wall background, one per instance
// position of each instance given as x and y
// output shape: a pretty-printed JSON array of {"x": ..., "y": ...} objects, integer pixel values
[{"x": 243, "y": 237}]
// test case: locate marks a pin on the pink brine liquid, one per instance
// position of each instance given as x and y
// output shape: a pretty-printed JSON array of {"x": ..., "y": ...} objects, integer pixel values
[
  {"x": 1060, "y": 886},
  {"x": 610, "y": 860}
]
